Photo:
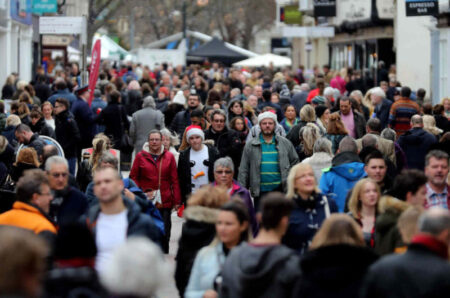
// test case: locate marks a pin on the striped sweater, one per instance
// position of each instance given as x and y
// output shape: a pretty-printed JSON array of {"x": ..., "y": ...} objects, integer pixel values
[{"x": 400, "y": 115}]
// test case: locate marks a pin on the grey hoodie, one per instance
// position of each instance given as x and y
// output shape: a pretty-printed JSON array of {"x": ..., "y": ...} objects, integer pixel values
[{"x": 260, "y": 271}]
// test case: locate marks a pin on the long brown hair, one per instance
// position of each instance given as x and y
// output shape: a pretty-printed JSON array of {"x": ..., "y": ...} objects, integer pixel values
[
  {"x": 336, "y": 126},
  {"x": 338, "y": 229},
  {"x": 28, "y": 156}
]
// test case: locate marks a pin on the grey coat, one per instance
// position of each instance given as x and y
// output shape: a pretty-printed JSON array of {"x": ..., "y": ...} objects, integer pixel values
[
  {"x": 142, "y": 123},
  {"x": 250, "y": 168}
]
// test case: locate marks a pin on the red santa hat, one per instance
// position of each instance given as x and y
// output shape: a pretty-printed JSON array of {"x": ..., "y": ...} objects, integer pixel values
[{"x": 194, "y": 130}]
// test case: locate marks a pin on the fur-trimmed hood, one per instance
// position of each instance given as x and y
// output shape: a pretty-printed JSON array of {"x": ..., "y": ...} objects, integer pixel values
[
  {"x": 202, "y": 214},
  {"x": 3, "y": 144},
  {"x": 392, "y": 204}
]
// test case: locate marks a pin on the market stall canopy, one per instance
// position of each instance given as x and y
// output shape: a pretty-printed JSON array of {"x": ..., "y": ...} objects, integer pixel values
[
  {"x": 265, "y": 60},
  {"x": 111, "y": 50},
  {"x": 216, "y": 50}
]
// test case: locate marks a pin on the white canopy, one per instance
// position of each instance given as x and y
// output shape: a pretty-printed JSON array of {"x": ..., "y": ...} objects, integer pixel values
[{"x": 264, "y": 60}]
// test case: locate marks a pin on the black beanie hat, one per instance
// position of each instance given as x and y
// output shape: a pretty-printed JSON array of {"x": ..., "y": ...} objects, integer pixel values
[{"x": 320, "y": 110}]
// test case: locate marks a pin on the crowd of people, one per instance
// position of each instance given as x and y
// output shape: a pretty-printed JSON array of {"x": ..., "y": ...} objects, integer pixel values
[{"x": 290, "y": 185}]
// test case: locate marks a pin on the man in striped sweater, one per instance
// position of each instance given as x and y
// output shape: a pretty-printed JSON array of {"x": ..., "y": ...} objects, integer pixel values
[{"x": 401, "y": 112}]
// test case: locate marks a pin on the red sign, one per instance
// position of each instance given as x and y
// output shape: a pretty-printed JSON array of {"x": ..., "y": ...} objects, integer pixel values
[{"x": 93, "y": 71}]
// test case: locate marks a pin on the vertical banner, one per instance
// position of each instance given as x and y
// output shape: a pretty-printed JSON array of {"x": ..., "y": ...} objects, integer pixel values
[
  {"x": 93, "y": 70},
  {"x": 416, "y": 8},
  {"x": 324, "y": 8}
]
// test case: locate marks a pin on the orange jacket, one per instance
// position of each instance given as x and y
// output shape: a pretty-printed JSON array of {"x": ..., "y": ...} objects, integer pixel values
[{"x": 25, "y": 216}]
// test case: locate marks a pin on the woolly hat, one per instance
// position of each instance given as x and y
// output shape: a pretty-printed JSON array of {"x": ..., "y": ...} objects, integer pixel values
[
  {"x": 266, "y": 115},
  {"x": 179, "y": 98},
  {"x": 194, "y": 130},
  {"x": 320, "y": 109},
  {"x": 164, "y": 90},
  {"x": 319, "y": 100}
]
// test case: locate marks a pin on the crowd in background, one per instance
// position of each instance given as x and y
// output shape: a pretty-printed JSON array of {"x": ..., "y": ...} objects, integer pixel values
[{"x": 286, "y": 181}]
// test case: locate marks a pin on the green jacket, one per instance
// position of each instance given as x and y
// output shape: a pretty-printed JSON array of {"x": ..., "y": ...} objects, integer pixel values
[{"x": 250, "y": 168}]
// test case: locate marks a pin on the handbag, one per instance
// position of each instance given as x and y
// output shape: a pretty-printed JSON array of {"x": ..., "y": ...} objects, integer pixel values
[{"x": 157, "y": 197}]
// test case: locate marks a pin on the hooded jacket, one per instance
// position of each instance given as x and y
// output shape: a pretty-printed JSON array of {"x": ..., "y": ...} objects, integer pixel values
[
  {"x": 334, "y": 271},
  {"x": 145, "y": 172},
  {"x": 346, "y": 170},
  {"x": 387, "y": 235},
  {"x": 198, "y": 231},
  {"x": 319, "y": 161},
  {"x": 260, "y": 271},
  {"x": 415, "y": 143}
]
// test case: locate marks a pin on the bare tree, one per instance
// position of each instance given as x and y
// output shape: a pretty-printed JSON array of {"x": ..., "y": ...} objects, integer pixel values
[{"x": 100, "y": 11}]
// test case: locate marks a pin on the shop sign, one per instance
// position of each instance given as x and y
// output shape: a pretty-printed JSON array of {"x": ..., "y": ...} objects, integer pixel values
[
  {"x": 44, "y": 6},
  {"x": 21, "y": 11},
  {"x": 353, "y": 11},
  {"x": 324, "y": 8},
  {"x": 416, "y": 8}
]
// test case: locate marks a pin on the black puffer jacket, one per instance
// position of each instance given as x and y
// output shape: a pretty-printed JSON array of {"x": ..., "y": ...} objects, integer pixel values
[
  {"x": 334, "y": 271},
  {"x": 67, "y": 133},
  {"x": 198, "y": 231}
]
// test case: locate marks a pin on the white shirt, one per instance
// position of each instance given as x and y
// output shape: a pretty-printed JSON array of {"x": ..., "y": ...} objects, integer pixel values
[
  {"x": 50, "y": 122},
  {"x": 111, "y": 231},
  {"x": 197, "y": 158}
]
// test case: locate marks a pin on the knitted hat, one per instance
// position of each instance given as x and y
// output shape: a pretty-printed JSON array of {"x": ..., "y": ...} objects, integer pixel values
[
  {"x": 164, "y": 90},
  {"x": 179, "y": 98},
  {"x": 266, "y": 115},
  {"x": 319, "y": 100},
  {"x": 320, "y": 109},
  {"x": 194, "y": 130}
]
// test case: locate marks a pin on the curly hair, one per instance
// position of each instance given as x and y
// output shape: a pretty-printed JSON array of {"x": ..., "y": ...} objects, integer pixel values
[{"x": 336, "y": 126}]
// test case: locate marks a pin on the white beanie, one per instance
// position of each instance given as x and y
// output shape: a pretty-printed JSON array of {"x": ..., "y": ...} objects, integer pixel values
[
  {"x": 179, "y": 98},
  {"x": 194, "y": 130},
  {"x": 266, "y": 115}
]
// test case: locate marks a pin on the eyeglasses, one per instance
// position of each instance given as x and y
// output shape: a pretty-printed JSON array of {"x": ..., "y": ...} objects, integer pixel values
[
  {"x": 56, "y": 175},
  {"x": 48, "y": 194},
  {"x": 219, "y": 121},
  {"x": 154, "y": 140},
  {"x": 228, "y": 172}
]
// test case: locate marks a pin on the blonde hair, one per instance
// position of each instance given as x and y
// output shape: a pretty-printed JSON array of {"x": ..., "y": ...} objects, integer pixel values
[
  {"x": 100, "y": 144},
  {"x": 429, "y": 124},
  {"x": 13, "y": 120},
  {"x": 355, "y": 204},
  {"x": 300, "y": 167},
  {"x": 308, "y": 114},
  {"x": 27, "y": 156},
  {"x": 407, "y": 222},
  {"x": 444, "y": 100},
  {"x": 308, "y": 135},
  {"x": 338, "y": 229},
  {"x": 209, "y": 196},
  {"x": 367, "y": 102}
]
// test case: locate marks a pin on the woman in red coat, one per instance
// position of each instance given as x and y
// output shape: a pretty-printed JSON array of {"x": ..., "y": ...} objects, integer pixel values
[{"x": 155, "y": 171}]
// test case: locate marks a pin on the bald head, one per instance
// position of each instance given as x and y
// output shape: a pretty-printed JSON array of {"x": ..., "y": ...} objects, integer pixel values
[
  {"x": 435, "y": 221},
  {"x": 416, "y": 121}
]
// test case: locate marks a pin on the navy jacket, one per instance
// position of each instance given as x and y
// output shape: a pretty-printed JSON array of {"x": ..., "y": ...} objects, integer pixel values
[
  {"x": 63, "y": 94},
  {"x": 180, "y": 122},
  {"x": 382, "y": 112},
  {"x": 415, "y": 143},
  {"x": 139, "y": 224},
  {"x": 67, "y": 133},
  {"x": 305, "y": 222},
  {"x": 68, "y": 206},
  {"x": 85, "y": 120}
]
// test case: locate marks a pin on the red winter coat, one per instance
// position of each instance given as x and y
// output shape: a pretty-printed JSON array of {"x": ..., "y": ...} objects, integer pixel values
[{"x": 145, "y": 172}]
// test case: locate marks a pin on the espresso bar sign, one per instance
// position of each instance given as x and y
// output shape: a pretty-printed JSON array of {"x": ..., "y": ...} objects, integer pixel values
[
  {"x": 324, "y": 8},
  {"x": 416, "y": 8}
]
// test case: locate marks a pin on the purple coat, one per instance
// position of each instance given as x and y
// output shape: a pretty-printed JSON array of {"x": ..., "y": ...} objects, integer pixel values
[{"x": 244, "y": 194}]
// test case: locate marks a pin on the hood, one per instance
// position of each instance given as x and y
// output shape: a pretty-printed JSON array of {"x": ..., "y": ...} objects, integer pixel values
[
  {"x": 345, "y": 157},
  {"x": 414, "y": 136},
  {"x": 202, "y": 214},
  {"x": 252, "y": 266},
  {"x": 352, "y": 171},
  {"x": 389, "y": 209},
  {"x": 328, "y": 264},
  {"x": 146, "y": 148}
]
